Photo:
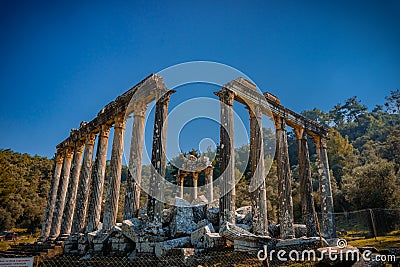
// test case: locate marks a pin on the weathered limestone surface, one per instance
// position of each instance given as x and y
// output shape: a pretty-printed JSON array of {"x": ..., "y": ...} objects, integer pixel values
[
  {"x": 161, "y": 248},
  {"x": 79, "y": 221},
  {"x": 284, "y": 180},
  {"x": 48, "y": 215},
  {"x": 306, "y": 190},
  {"x": 257, "y": 184},
  {"x": 327, "y": 221},
  {"x": 96, "y": 191},
  {"x": 182, "y": 222},
  {"x": 197, "y": 236},
  {"x": 112, "y": 197},
  {"x": 71, "y": 192},
  {"x": 61, "y": 193},
  {"x": 199, "y": 208},
  {"x": 158, "y": 159},
  {"x": 132, "y": 196},
  {"x": 227, "y": 185},
  {"x": 213, "y": 215}
]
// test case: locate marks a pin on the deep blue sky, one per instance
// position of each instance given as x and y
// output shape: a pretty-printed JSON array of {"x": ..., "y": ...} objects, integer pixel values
[{"x": 62, "y": 62}]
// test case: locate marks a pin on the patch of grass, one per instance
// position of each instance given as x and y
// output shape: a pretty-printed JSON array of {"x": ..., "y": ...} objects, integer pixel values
[
  {"x": 381, "y": 242},
  {"x": 4, "y": 245}
]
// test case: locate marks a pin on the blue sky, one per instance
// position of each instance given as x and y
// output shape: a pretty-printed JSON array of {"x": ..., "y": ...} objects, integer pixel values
[{"x": 61, "y": 62}]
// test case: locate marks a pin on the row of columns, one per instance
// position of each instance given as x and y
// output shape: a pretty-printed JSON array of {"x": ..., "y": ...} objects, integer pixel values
[
  {"x": 73, "y": 183},
  {"x": 195, "y": 176},
  {"x": 257, "y": 186},
  {"x": 75, "y": 197}
]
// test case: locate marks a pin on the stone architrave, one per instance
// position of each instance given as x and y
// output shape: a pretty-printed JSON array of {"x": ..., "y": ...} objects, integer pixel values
[
  {"x": 284, "y": 180},
  {"x": 61, "y": 193},
  {"x": 96, "y": 188},
  {"x": 306, "y": 190},
  {"x": 48, "y": 215},
  {"x": 78, "y": 224},
  {"x": 158, "y": 159},
  {"x": 257, "y": 184},
  {"x": 227, "y": 185},
  {"x": 114, "y": 186},
  {"x": 328, "y": 228},
  {"x": 209, "y": 184},
  {"x": 132, "y": 196},
  {"x": 70, "y": 201}
]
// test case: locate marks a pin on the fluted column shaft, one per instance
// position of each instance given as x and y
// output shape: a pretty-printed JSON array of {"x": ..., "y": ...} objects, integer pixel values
[
  {"x": 284, "y": 180},
  {"x": 180, "y": 182},
  {"x": 71, "y": 192},
  {"x": 96, "y": 188},
  {"x": 306, "y": 189},
  {"x": 158, "y": 159},
  {"x": 61, "y": 193},
  {"x": 227, "y": 154},
  {"x": 114, "y": 186},
  {"x": 209, "y": 184},
  {"x": 195, "y": 176},
  {"x": 257, "y": 184},
  {"x": 51, "y": 201},
  {"x": 328, "y": 227},
  {"x": 79, "y": 220},
  {"x": 132, "y": 196}
]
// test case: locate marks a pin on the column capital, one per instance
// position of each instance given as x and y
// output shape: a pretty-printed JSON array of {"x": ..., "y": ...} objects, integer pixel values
[
  {"x": 300, "y": 133},
  {"x": 320, "y": 141},
  {"x": 79, "y": 146},
  {"x": 226, "y": 96},
  {"x": 195, "y": 175},
  {"x": 90, "y": 139},
  {"x": 139, "y": 109},
  {"x": 120, "y": 121},
  {"x": 59, "y": 157},
  {"x": 280, "y": 123},
  {"x": 166, "y": 97},
  {"x": 68, "y": 153},
  {"x": 104, "y": 130}
]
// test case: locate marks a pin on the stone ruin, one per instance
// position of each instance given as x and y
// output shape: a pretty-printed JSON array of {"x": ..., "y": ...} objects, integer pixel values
[{"x": 73, "y": 211}]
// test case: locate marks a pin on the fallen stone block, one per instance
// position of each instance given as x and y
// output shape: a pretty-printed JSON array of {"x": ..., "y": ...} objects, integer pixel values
[
  {"x": 132, "y": 228},
  {"x": 161, "y": 248},
  {"x": 145, "y": 247},
  {"x": 166, "y": 216},
  {"x": 300, "y": 244},
  {"x": 300, "y": 230},
  {"x": 244, "y": 226},
  {"x": 199, "y": 208},
  {"x": 197, "y": 238},
  {"x": 182, "y": 222},
  {"x": 241, "y": 214},
  {"x": 213, "y": 216}
]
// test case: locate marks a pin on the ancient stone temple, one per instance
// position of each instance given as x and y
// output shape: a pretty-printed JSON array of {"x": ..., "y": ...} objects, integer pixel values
[{"x": 74, "y": 209}]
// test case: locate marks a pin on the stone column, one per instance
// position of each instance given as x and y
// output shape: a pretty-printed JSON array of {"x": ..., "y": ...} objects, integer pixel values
[
  {"x": 132, "y": 197},
  {"x": 209, "y": 184},
  {"x": 284, "y": 180},
  {"x": 158, "y": 159},
  {"x": 257, "y": 184},
  {"x": 180, "y": 180},
  {"x": 61, "y": 192},
  {"x": 51, "y": 201},
  {"x": 306, "y": 189},
  {"x": 195, "y": 176},
  {"x": 78, "y": 224},
  {"x": 227, "y": 154},
  {"x": 114, "y": 186},
  {"x": 71, "y": 193},
  {"x": 328, "y": 228},
  {"x": 96, "y": 188}
]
